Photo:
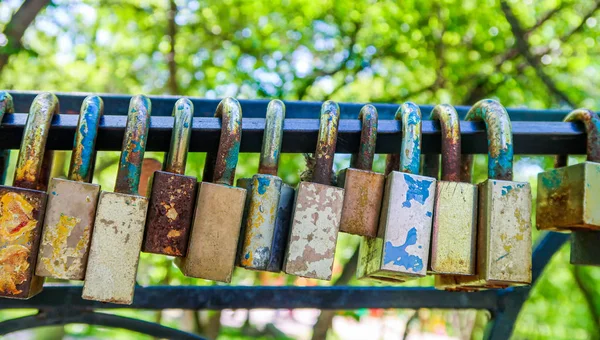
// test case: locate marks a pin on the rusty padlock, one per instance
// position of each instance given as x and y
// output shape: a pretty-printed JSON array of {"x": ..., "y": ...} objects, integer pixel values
[
  {"x": 219, "y": 206},
  {"x": 453, "y": 236},
  {"x": 363, "y": 187},
  {"x": 318, "y": 208},
  {"x": 71, "y": 204},
  {"x": 401, "y": 249},
  {"x": 172, "y": 193},
  {"x": 22, "y": 206},
  {"x": 120, "y": 218},
  {"x": 269, "y": 202},
  {"x": 568, "y": 195},
  {"x": 504, "y": 216}
]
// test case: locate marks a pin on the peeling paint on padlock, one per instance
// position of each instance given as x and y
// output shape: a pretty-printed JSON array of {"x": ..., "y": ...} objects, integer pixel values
[
  {"x": 363, "y": 187},
  {"x": 453, "y": 238},
  {"x": 318, "y": 207},
  {"x": 401, "y": 251},
  {"x": 120, "y": 218},
  {"x": 71, "y": 205},
  {"x": 22, "y": 207},
  {"x": 567, "y": 194},
  {"x": 219, "y": 207},
  {"x": 171, "y": 193}
]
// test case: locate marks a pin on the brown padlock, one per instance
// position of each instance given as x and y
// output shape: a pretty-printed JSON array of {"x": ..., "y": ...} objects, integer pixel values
[
  {"x": 318, "y": 208},
  {"x": 453, "y": 236},
  {"x": 171, "y": 193},
  {"x": 219, "y": 206},
  {"x": 22, "y": 206},
  {"x": 120, "y": 218},
  {"x": 71, "y": 204},
  {"x": 363, "y": 187}
]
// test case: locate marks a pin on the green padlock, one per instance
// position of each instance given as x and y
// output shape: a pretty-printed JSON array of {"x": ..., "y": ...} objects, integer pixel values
[
  {"x": 22, "y": 206},
  {"x": 269, "y": 202},
  {"x": 71, "y": 205},
  {"x": 401, "y": 249},
  {"x": 120, "y": 218}
]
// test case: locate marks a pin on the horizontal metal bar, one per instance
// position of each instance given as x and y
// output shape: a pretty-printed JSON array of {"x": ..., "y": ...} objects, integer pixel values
[
  {"x": 163, "y": 106},
  {"x": 225, "y": 297},
  {"x": 300, "y": 135}
]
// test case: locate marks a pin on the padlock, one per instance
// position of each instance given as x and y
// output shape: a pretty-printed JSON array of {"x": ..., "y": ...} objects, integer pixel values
[
  {"x": 219, "y": 206},
  {"x": 120, "y": 218},
  {"x": 71, "y": 207},
  {"x": 568, "y": 195},
  {"x": 453, "y": 236},
  {"x": 22, "y": 206},
  {"x": 318, "y": 208},
  {"x": 363, "y": 188},
  {"x": 401, "y": 249},
  {"x": 172, "y": 193},
  {"x": 504, "y": 215},
  {"x": 6, "y": 106},
  {"x": 268, "y": 202}
]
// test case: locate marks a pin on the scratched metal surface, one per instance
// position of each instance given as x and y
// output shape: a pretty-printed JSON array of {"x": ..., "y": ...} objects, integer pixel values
[
  {"x": 115, "y": 248},
  {"x": 314, "y": 231},
  {"x": 215, "y": 233},
  {"x": 84, "y": 153},
  {"x": 405, "y": 224},
  {"x": 67, "y": 229},
  {"x": 363, "y": 194},
  {"x": 260, "y": 224}
]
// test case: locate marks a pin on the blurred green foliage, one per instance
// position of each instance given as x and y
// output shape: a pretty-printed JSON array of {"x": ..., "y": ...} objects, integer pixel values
[{"x": 362, "y": 51}]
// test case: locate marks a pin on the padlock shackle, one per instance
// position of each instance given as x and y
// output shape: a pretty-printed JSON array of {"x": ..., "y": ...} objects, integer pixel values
[
  {"x": 410, "y": 154},
  {"x": 328, "y": 130},
  {"x": 226, "y": 159},
  {"x": 33, "y": 144},
  {"x": 368, "y": 139},
  {"x": 6, "y": 106},
  {"x": 499, "y": 136},
  {"x": 451, "y": 153},
  {"x": 176, "y": 158},
  {"x": 272, "y": 138},
  {"x": 134, "y": 145},
  {"x": 466, "y": 171},
  {"x": 591, "y": 122},
  {"x": 82, "y": 158}
]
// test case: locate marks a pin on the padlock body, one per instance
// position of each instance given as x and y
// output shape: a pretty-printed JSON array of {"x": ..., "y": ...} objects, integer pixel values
[
  {"x": 314, "y": 229},
  {"x": 260, "y": 222},
  {"x": 244, "y": 183},
  {"x": 170, "y": 214},
  {"x": 363, "y": 192},
  {"x": 215, "y": 233},
  {"x": 584, "y": 248},
  {"x": 369, "y": 261},
  {"x": 404, "y": 228},
  {"x": 67, "y": 231},
  {"x": 503, "y": 235},
  {"x": 453, "y": 238},
  {"x": 21, "y": 219},
  {"x": 115, "y": 248},
  {"x": 567, "y": 198},
  {"x": 282, "y": 229}
]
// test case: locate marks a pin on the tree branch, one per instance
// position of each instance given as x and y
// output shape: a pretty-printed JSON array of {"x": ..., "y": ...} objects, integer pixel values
[
  {"x": 15, "y": 29},
  {"x": 171, "y": 32},
  {"x": 523, "y": 47}
]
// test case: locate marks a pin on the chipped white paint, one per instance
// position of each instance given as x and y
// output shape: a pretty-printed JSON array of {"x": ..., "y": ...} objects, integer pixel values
[
  {"x": 115, "y": 249},
  {"x": 404, "y": 229},
  {"x": 454, "y": 228},
  {"x": 67, "y": 229},
  {"x": 215, "y": 233},
  {"x": 260, "y": 223},
  {"x": 314, "y": 229}
]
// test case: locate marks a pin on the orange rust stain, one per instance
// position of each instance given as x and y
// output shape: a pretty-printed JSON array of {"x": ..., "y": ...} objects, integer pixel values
[
  {"x": 173, "y": 233},
  {"x": 13, "y": 268},
  {"x": 16, "y": 216},
  {"x": 26, "y": 172}
]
